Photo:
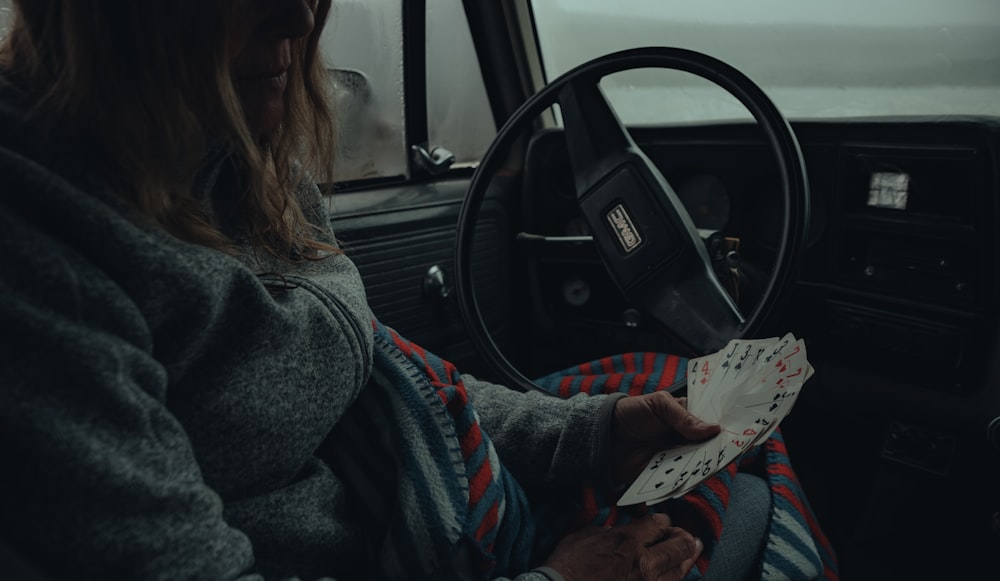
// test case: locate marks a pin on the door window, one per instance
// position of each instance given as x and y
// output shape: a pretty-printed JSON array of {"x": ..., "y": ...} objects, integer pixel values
[{"x": 363, "y": 45}]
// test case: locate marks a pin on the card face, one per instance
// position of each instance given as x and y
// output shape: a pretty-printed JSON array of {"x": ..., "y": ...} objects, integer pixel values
[
  {"x": 704, "y": 465},
  {"x": 700, "y": 381},
  {"x": 742, "y": 368},
  {"x": 660, "y": 475},
  {"x": 777, "y": 359},
  {"x": 747, "y": 387},
  {"x": 739, "y": 440}
]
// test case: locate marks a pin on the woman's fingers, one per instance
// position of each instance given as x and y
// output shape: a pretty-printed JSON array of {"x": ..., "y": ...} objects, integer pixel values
[{"x": 672, "y": 557}]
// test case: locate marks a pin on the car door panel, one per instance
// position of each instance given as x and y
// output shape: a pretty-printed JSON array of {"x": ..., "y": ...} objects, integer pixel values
[{"x": 396, "y": 235}]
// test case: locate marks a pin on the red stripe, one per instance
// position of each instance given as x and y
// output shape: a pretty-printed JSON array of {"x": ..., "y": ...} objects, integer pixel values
[
  {"x": 489, "y": 521},
  {"x": 470, "y": 441},
  {"x": 712, "y": 518},
  {"x": 427, "y": 366},
  {"x": 777, "y": 445},
  {"x": 564, "y": 386},
  {"x": 457, "y": 404},
  {"x": 817, "y": 532},
  {"x": 461, "y": 396},
  {"x": 720, "y": 489},
  {"x": 669, "y": 371},
  {"x": 649, "y": 363},
  {"x": 829, "y": 574},
  {"x": 589, "y": 506},
  {"x": 629, "y": 361},
  {"x": 790, "y": 496},
  {"x": 452, "y": 371},
  {"x": 814, "y": 527},
  {"x": 612, "y": 516},
  {"x": 783, "y": 470},
  {"x": 638, "y": 384},
  {"x": 702, "y": 563},
  {"x": 587, "y": 384},
  {"x": 403, "y": 345},
  {"x": 613, "y": 384},
  {"x": 607, "y": 366},
  {"x": 480, "y": 482}
]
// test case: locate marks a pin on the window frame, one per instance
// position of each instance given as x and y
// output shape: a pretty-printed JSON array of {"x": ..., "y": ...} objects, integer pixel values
[{"x": 415, "y": 103}]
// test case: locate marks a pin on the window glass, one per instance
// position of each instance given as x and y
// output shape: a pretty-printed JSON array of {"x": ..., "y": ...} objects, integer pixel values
[
  {"x": 6, "y": 16},
  {"x": 458, "y": 112},
  {"x": 363, "y": 45},
  {"x": 814, "y": 59}
]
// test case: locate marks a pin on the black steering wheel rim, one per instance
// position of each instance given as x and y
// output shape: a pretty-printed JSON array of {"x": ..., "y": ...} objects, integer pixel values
[{"x": 777, "y": 131}]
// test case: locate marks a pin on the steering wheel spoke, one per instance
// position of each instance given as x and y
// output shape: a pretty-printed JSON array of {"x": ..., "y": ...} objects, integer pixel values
[
  {"x": 646, "y": 239},
  {"x": 596, "y": 140}
]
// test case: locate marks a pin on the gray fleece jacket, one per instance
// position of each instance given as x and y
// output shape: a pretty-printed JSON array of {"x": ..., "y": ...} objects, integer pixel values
[{"x": 161, "y": 411}]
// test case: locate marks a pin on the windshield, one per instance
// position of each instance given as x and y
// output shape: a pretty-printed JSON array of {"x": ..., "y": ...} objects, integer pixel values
[{"x": 849, "y": 58}]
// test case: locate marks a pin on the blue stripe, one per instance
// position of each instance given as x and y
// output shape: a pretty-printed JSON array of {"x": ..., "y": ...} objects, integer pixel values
[
  {"x": 654, "y": 373},
  {"x": 784, "y": 480},
  {"x": 515, "y": 537},
  {"x": 682, "y": 367},
  {"x": 711, "y": 497},
  {"x": 780, "y": 529},
  {"x": 781, "y": 561}
]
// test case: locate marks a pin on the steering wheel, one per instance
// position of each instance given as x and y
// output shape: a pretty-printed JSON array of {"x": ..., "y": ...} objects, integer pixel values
[{"x": 645, "y": 237}]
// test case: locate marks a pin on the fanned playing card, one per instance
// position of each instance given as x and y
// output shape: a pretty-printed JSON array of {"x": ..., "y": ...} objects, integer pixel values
[{"x": 748, "y": 388}]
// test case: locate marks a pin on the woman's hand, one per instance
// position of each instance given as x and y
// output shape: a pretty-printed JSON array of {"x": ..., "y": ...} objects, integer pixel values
[
  {"x": 646, "y": 424},
  {"x": 647, "y": 549}
]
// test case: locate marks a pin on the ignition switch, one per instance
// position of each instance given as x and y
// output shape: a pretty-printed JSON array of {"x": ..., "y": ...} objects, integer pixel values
[{"x": 725, "y": 254}]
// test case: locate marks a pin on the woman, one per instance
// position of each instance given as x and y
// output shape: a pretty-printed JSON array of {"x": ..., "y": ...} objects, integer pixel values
[{"x": 193, "y": 386}]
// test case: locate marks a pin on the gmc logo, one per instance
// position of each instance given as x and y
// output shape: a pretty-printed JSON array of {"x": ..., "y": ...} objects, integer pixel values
[{"x": 621, "y": 223}]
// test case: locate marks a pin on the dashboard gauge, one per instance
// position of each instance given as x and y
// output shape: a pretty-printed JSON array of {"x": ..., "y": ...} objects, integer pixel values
[
  {"x": 705, "y": 198},
  {"x": 576, "y": 292}
]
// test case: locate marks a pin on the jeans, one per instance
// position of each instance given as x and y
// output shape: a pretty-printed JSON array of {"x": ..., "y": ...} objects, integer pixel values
[{"x": 744, "y": 531}]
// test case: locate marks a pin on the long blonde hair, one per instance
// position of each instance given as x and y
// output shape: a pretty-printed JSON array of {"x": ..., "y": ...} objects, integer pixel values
[{"x": 148, "y": 84}]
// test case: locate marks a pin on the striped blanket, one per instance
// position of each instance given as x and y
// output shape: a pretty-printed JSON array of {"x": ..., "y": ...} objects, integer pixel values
[
  {"x": 463, "y": 509},
  {"x": 796, "y": 546}
]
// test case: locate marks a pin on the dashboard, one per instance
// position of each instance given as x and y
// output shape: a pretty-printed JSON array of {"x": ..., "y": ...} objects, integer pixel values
[{"x": 897, "y": 294}]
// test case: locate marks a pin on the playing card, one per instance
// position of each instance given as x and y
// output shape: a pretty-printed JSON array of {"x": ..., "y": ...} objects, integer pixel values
[
  {"x": 742, "y": 365},
  {"x": 660, "y": 475},
  {"x": 739, "y": 437},
  {"x": 747, "y": 387},
  {"x": 776, "y": 351},
  {"x": 792, "y": 368},
  {"x": 711, "y": 373},
  {"x": 700, "y": 373},
  {"x": 704, "y": 464},
  {"x": 786, "y": 408}
]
